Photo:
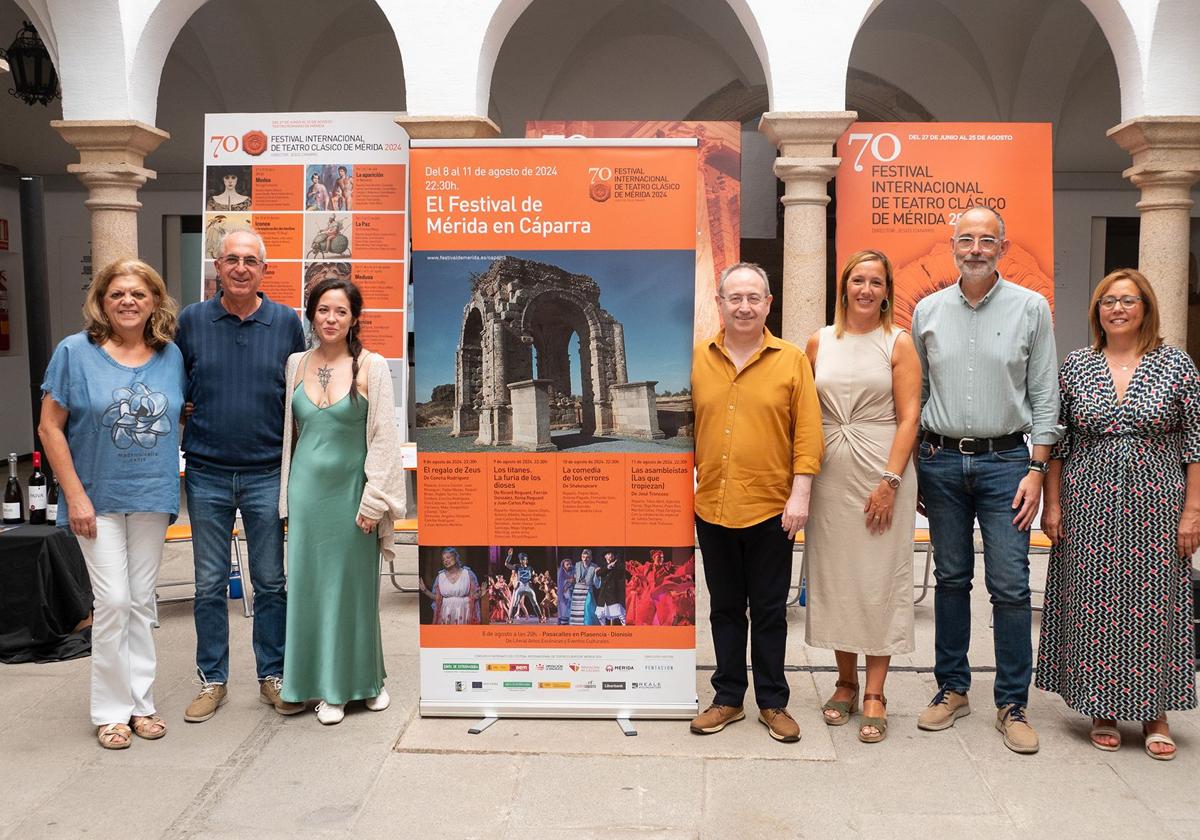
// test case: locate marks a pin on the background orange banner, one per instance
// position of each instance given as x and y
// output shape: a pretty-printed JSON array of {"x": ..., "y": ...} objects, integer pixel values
[{"x": 902, "y": 186}]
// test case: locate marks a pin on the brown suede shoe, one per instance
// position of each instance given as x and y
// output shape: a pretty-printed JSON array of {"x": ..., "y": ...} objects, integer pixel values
[
  {"x": 1018, "y": 734},
  {"x": 780, "y": 724},
  {"x": 946, "y": 707},
  {"x": 268, "y": 692},
  {"x": 715, "y": 718},
  {"x": 211, "y": 697}
]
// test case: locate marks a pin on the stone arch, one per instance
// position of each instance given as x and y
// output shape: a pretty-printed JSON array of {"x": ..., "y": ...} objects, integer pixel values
[
  {"x": 308, "y": 61},
  {"x": 1122, "y": 38},
  {"x": 693, "y": 29},
  {"x": 550, "y": 318},
  {"x": 520, "y": 306},
  {"x": 468, "y": 374},
  {"x": 155, "y": 39}
]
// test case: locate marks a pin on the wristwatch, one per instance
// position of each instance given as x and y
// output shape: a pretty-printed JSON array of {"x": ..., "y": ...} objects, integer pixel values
[
  {"x": 892, "y": 479},
  {"x": 1039, "y": 466}
]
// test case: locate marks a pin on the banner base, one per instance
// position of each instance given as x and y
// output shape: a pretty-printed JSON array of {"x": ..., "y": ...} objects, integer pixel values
[{"x": 642, "y": 711}]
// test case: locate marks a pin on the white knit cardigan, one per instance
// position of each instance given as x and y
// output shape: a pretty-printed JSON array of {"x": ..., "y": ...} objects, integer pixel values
[{"x": 383, "y": 495}]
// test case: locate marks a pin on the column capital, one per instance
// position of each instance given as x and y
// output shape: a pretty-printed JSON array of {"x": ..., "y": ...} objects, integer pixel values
[
  {"x": 805, "y": 134},
  {"x": 1160, "y": 144},
  {"x": 110, "y": 145},
  {"x": 111, "y": 158},
  {"x": 805, "y": 179},
  {"x": 1166, "y": 163},
  {"x": 448, "y": 127}
]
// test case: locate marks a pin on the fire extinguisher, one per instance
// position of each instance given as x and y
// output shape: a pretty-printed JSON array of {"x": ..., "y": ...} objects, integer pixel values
[{"x": 4, "y": 330}]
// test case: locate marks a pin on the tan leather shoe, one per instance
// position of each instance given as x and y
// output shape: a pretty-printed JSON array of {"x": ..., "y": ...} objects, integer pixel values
[
  {"x": 946, "y": 707},
  {"x": 780, "y": 724},
  {"x": 715, "y": 718},
  {"x": 268, "y": 692},
  {"x": 1018, "y": 734},
  {"x": 212, "y": 696}
]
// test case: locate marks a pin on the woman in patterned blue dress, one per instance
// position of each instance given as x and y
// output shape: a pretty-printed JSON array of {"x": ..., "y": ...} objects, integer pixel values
[{"x": 1123, "y": 511}]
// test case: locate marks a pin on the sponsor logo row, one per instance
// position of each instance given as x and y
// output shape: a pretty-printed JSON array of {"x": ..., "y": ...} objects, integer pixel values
[
  {"x": 575, "y": 667},
  {"x": 522, "y": 685}
]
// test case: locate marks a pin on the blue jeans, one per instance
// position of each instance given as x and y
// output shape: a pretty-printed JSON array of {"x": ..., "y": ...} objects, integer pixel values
[
  {"x": 212, "y": 497},
  {"x": 957, "y": 489}
]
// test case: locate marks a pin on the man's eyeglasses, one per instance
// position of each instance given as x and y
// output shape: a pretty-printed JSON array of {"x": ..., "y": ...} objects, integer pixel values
[
  {"x": 986, "y": 243},
  {"x": 232, "y": 261},
  {"x": 1126, "y": 301},
  {"x": 738, "y": 300}
]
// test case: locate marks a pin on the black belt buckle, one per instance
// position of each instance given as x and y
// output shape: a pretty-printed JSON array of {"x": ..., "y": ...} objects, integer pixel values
[{"x": 966, "y": 441}]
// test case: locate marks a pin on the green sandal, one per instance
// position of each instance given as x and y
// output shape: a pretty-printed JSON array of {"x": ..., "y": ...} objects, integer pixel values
[
  {"x": 879, "y": 723},
  {"x": 844, "y": 708}
]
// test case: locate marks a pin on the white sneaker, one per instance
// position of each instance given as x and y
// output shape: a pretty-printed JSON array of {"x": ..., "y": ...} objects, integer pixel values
[
  {"x": 330, "y": 713},
  {"x": 378, "y": 704}
]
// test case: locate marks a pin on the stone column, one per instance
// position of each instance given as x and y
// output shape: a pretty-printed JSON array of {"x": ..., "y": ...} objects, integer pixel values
[
  {"x": 805, "y": 166},
  {"x": 635, "y": 410},
  {"x": 531, "y": 415},
  {"x": 1166, "y": 164},
  {"x": 111, "y": 154},
  {"x": 456, "y": 127}
]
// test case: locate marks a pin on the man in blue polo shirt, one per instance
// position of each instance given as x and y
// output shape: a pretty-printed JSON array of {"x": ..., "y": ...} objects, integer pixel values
[{"x": 235, "y": 347}]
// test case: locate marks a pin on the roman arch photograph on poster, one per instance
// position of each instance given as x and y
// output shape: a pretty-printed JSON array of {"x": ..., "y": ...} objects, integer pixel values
[{"x": 555, "y": 350}]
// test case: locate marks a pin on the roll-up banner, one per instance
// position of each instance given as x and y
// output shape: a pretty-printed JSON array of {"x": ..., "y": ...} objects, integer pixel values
[
  {"x": 553, "y": 289},
  {"x": 901, "y": 188},
  {"x": 328, "y": 193}
]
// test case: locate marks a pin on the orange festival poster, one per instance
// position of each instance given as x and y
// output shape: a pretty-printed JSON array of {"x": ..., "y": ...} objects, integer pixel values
[
  {"x": 553, "y": 286},
  {"x": 902, "y": 186}
]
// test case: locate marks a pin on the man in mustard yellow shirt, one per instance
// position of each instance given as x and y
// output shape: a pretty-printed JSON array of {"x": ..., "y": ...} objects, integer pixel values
[{"x": 758, "y": 445}]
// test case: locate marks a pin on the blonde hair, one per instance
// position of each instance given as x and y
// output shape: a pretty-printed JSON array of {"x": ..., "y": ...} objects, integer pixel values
[
  {"x": 1148, "y": 337},
  {"x": 160, "y": 326},
  {"x": 839, "y": 308}
]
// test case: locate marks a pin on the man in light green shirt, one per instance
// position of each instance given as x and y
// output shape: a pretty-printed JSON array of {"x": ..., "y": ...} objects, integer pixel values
[{"x": 990, "y": 377}]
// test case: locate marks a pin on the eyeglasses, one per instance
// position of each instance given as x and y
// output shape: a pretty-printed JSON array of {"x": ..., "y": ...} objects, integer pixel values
[
  {"x": 1126, "y": 301},
  {"x": 232, "y": 261},
  {"x": 738, "y": 300},
  {"x": 986, "y": 243}
]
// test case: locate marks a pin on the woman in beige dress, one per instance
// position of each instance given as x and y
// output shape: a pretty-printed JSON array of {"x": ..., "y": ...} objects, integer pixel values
[{"x": 858, "y": 541}]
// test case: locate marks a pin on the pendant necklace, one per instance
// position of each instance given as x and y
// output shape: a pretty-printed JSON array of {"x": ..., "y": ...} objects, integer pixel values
[{"x": 1125, "y": 366}]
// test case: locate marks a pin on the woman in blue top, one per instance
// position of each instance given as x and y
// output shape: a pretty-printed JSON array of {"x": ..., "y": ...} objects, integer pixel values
[{"x": 111, "y": 404}]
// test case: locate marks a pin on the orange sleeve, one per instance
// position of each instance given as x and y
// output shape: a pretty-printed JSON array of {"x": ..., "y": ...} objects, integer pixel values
[{"x": 808, "y": 438}]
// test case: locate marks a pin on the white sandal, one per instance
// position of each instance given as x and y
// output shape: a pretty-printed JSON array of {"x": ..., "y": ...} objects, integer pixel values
[{"x": 1159, "y": 738}]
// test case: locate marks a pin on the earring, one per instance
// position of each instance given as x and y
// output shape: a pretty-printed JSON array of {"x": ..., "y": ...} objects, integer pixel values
[
  {"x": 845, "y": 300},
  {"x": 883, "y": 307}
]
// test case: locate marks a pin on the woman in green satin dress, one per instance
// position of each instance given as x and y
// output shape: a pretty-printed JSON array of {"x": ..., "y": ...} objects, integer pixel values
[{"x": 337, "y": 392}]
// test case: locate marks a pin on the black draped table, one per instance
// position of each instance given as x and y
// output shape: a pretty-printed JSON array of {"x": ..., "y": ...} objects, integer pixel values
[{"x": 45, "y": 594}]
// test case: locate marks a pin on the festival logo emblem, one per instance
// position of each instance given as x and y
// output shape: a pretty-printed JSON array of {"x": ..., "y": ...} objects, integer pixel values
[{"x": 254, "y": 143}]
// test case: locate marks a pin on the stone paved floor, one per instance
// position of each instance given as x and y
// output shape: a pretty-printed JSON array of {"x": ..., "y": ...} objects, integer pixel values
[{"x": 251, "y": 773}]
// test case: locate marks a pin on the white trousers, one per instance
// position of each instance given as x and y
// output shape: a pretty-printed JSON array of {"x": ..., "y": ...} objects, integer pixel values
[{"x": 123, "y": 562}]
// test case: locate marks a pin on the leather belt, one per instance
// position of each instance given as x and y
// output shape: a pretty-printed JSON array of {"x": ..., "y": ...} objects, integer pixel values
[{"x": 974, "y": 446}]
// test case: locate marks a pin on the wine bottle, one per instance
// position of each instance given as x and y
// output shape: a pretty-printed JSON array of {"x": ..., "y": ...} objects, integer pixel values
[
  {"x": 14, "y": 501},
  {"x": 37, "y": 492},
  {"x": 52, "y": 501}
]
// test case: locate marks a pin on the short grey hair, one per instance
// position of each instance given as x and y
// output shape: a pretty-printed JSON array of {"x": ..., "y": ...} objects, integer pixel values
[
  {"x": 755, "y": 267},
  {"x": 991, "y": 210},
  {"x": 248, "y": 231}
]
